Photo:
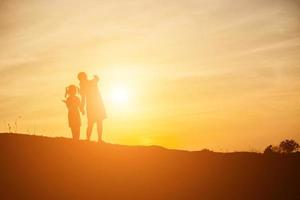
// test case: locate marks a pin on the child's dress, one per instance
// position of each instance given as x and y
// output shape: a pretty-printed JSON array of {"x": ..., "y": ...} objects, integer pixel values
[{"x": 73, "y": 104}]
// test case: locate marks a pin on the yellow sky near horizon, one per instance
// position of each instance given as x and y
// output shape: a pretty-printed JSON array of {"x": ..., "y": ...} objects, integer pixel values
[{"x": 217, "y": 74}]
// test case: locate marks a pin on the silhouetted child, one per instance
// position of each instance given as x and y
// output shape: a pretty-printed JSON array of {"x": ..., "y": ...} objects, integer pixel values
[{"x": 73, "y": 104}]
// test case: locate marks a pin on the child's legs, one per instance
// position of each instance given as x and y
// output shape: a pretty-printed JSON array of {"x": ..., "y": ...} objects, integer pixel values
[
  {"x": 89, "y": 129},
  {"x": 99, "y": 129},
  {"x": 75, "y": 132}
]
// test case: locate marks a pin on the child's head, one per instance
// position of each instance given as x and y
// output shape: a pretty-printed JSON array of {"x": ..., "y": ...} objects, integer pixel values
[{"x": 71, "y": 90}]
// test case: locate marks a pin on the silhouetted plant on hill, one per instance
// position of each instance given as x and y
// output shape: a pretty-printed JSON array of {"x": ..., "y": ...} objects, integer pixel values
[
  {"x": 206, "y": 151},
  {"x": 270, "y": 149},
  {"x": 286, "y": 146},
  {"x": 9, "y": 127}
]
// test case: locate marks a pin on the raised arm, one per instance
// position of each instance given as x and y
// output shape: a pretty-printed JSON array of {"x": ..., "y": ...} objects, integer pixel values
[{"x": 96, "y": 79}]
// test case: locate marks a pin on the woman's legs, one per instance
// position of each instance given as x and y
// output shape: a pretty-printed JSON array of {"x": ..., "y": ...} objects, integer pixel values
[
  {"x": 75, "y": 132},
  {"x": 89, "y": 129}
]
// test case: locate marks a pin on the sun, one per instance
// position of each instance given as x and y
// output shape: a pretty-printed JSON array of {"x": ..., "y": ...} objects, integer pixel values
[{"x": 120, "y": 95}]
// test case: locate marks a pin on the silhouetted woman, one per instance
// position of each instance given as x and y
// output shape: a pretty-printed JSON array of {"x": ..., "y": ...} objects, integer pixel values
[
  {"x": 73, "y": 104},
  {"x": 92, "y": 100}
]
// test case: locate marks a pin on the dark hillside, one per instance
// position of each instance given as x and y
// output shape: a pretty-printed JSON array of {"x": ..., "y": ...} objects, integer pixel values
[{"x": 34, "y": 167}]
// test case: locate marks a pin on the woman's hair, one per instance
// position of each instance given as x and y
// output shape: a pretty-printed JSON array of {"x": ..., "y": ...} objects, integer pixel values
[{"x": 71, "y": 90}]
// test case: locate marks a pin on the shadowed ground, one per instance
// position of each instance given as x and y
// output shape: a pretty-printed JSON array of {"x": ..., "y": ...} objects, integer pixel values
[{"x": 34, "y": 167}]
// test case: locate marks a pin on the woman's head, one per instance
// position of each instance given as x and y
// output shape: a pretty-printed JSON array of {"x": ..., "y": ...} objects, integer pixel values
[
  {"x": 71, "y": 90},
  {"x": 82, "y": 76}
]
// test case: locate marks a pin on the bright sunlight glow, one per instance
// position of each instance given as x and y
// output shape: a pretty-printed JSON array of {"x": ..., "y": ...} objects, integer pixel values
[{"x": 120, "y": 96}]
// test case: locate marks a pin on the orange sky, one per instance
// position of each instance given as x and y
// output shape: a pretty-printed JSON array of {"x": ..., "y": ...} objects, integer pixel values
[{"x": 217, "y": 74}]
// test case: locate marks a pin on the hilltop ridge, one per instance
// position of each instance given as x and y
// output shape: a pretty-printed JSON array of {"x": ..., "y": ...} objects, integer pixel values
[{"x": 36, "y": 167}]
